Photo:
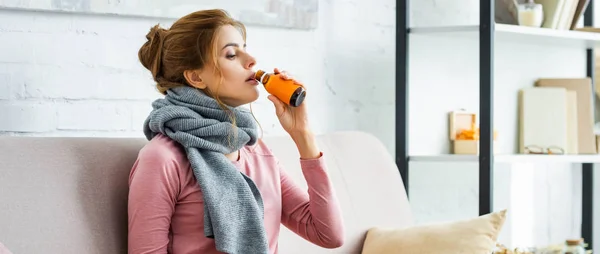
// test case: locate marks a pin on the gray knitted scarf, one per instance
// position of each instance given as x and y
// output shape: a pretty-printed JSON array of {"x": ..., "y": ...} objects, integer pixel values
[{"x": 233, "y": 208}]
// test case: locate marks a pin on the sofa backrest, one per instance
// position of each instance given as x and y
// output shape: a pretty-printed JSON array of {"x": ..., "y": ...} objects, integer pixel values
[{"x": 69, "y": 195}]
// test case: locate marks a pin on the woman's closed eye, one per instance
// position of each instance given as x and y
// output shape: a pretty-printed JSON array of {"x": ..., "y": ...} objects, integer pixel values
[{"x": 230, "y": 56}]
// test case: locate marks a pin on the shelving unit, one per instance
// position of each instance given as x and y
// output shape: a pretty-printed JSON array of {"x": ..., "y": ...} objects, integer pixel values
[{"x": 488, "y": 32}]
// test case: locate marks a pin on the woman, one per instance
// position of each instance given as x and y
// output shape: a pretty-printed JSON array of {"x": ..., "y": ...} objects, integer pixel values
[{"x": 205, "y": 183}]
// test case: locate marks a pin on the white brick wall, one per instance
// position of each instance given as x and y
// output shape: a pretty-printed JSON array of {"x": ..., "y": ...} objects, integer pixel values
[
  {"x": 73, "y": 75},
  {"x": 28, "y": 117},
  {"x": 90, "y": 63},
  {"x": 78, "y": 75}
]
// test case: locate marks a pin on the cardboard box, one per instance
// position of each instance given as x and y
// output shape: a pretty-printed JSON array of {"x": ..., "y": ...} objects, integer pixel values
[
  {"x": 464, "y": 133},
  {"x": 465, "y": 147},
  {"x": 461, "y": 120}
]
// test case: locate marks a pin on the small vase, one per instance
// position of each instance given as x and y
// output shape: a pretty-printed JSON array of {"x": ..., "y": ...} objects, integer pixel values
[{"x": 530, "y": 14}]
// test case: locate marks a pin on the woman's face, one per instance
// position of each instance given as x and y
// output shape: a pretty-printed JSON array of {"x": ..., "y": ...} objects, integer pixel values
[{"x": 235, "y": 84}]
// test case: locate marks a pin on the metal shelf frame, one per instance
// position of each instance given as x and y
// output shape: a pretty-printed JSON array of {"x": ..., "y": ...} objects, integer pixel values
[{"x": 486, "y": 102}]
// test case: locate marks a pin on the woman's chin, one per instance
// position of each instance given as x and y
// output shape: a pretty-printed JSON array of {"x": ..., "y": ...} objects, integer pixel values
[
  {"x": 253, "y": 98},
  {"x": 254, "y": 95}
]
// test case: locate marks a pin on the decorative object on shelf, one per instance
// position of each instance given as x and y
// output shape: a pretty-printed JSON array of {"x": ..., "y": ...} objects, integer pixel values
[
  {"x": 556, "y": 14},
  {"x": 464, "y": 133},
  {"x": 574, "y": 246},
  {"x": 501, "y": 249},
  {"x": 581, "y": 125},
  {"x": 530, "y": 14},
  {"x": 507, "y": 11},
  {"x": 533, "y": 149},
  {"x": 550, "y": 249}
]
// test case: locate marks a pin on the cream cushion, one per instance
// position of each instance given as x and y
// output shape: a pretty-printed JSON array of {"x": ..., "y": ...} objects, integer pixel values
[{"x": 477, "y": 236}]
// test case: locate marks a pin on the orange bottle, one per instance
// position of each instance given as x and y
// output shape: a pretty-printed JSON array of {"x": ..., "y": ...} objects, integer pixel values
[{"x": 286, "y": 90}]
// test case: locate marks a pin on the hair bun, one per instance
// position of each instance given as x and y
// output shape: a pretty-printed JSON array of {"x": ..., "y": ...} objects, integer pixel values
[
  {"x": 150, "y": 54},
  {"x": 155, "y": 33}
]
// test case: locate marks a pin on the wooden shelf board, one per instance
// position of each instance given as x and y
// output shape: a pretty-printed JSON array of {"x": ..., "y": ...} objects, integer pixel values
[
  {"x": 510, "y": 158},
  {"x": 518, "y": 34}
]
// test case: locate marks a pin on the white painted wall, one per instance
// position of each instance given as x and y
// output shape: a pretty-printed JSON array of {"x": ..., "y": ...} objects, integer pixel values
[{"x": 78, "y": 75}]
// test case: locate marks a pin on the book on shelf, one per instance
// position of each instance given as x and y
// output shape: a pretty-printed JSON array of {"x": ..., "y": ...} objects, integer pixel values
[
  {"x": 556, "y": 116},
  {"x": 557, "y": 14}
]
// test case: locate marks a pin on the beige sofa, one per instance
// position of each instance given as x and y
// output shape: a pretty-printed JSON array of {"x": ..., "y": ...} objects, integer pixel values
[{"x": 69, "y": 195}]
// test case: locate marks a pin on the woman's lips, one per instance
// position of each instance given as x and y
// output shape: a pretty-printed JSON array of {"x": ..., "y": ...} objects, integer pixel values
[{"x": 252, "y": 80}]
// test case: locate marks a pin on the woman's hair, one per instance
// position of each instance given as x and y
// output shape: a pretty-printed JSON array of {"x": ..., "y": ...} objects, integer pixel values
[{"x": 188, "y": 45}]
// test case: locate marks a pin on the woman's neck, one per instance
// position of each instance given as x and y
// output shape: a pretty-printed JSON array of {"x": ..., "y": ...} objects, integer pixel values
[{"x": 235, "y": 156}]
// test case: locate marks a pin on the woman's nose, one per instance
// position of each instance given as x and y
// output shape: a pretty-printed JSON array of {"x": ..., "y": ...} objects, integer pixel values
[{"x": 250, "y": 62}]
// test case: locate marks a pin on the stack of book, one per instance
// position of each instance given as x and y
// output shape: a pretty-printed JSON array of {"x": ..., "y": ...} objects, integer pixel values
[{"x": 556, "y": 117}]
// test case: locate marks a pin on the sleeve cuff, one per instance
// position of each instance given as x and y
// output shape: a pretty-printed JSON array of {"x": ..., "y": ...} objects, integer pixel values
[{"x": 318, "y": 162}]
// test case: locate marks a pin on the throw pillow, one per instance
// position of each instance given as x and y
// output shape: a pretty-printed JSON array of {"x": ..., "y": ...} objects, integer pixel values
[
  {"x": 477, "y": 236},
  {"x": 4, "y": 250}
]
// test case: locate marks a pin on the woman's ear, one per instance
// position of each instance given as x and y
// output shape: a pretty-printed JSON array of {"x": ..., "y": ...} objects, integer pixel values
[{"x": 193, "y": 78}]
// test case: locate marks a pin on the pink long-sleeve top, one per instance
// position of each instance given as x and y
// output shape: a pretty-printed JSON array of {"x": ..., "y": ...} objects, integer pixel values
[{"x": 166, "y": 212}]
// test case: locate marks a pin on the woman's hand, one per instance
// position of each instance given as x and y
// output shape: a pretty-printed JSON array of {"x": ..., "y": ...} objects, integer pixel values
[{"x": 294, "y": 121}]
